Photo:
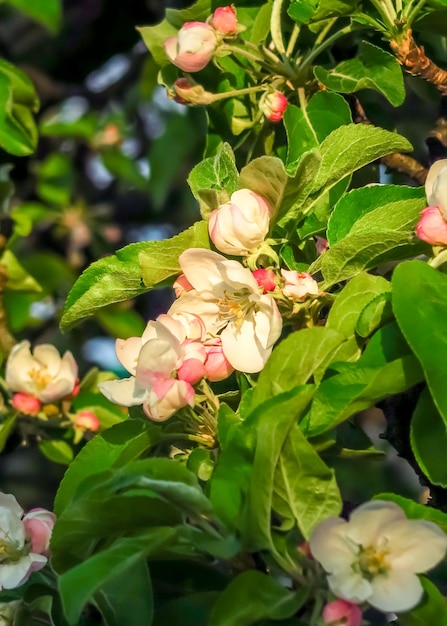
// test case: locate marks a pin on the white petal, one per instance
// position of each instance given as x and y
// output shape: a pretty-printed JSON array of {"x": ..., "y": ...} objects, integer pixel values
[
  {"x": 48, "y": 355},
  {"x": 203, "y": 305},
  {"x": 433, "y": 173},
  {"x": 329, "y": 545},
  {"x": 13, "y": 574},
  {"x": 369, "y": 522},
  {"x": 416, "y": 545},
  {"x": 201, "y": 268},
  {"x": 124, "y": 392},
  {"x": 268, "y": 321},
  {"x": 20, "y": 362},
  {"x": 397, "y": 591},
  {"x": 242, "y": 348},
  {"x": 238, "y": 277},
  {"x": 127, "y": 351},
  {"x": 158, "y": 359},
  {"x": 8, "y": 501},
  {"x": 350, "y": 585}
]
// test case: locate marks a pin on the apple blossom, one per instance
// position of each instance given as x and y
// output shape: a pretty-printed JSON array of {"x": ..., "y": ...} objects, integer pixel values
[
  {"x": 436, "y": 186},
  {"x": 43, "y": 374},
  {"x": 155, "y": 360},
  {"x": 28, "y": 405},
  {"x": 239, "y": 226},
  {"x": 321, "y": 244},
  {"x": 299, "y": 285},
  {"x": 181, "y": 285},
  {"x": 273, "y": 104},
  {"x": 24, "y": 541},
  {"x": 376, "y": 556},
  {"x": 193, "y": 48},
  {"x": 224, "y": 20},
  {"x": 342, "y": 613},
  {"x": 226, "y": 297},
  {"x": 432, "y": 227}
]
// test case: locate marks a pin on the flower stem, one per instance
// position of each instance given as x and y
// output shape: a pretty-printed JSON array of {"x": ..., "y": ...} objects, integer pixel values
[
  {"x": 236, "y": 92},
  {"x": 313, "y": 54}
]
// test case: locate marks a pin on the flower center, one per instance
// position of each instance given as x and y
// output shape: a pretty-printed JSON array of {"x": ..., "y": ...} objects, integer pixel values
[
  {"x": 9, "y": 552},
  {"x": 40, "y": 377},
  {"x": 233, "y": 307},
  {"x": 372, "y": 561}
]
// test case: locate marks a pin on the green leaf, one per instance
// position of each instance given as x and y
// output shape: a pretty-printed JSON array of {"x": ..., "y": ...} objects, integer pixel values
[
  {"x": 57, "y": 450},
  {"x": 47, "y": 12},
  {"x": 124, "y": 167},
  {"x": 345, "y": 150},
  {"x": 371, "y": 68},
  {"x": 55, "y": 180},
  {"x": 348, "y": 307},
  {"x": 214, "y": 180},
  {"x": 376, "y": 207},
  {"x": 18, "y": 277},
  {"x": 295, "y": 360},
  {"x": 78, "y": 585},
  {"x": 364, "y": 250},
  {"x": 307, "y": 127},
  {"x": 419, "y": 304},
  {"x": 18, "y": 101},
  {"x": 432, "y": 609},
  {"x": 305, "y": 484},
  {"x": 113, "y": 448},
  {"x": 415, "y": 510},
  {"x": 133, "y": 270},
  {"x": 335, "y": 8},
  {"x": 267, "y": 429},
  {"x": 159, "y": 260},
  {"x": 302, "y": 10},
  {"x": 267, "y": 177},
  {"x": 428, "y": 436},
  {"x": 190, "y": 610},
  {"x": 253, "y": 596},
  {"x": 376, "y": 313},
  {"x": 5, "y": 430},
  {"x": 127, "y": 597}
]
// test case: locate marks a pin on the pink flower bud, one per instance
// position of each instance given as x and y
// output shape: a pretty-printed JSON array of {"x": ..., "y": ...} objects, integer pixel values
[
  {"x": 342, "y": 613},
  {"x": 193, "y": 48},
  {"x": 240, "y": 226},
  {"x": 38, "y": 525},
  {"x": 273, "y": 104},
  {"x": 217, "y": 366},
  {"x": 190, "y": 92},
  {"x": 298, "y": 285},
  {"x": 321, "y": 244},
  {"x": 87, "y": 420},
  {"x": 265, "y": 279},
  {"x": 432, "y": 227},
  {"x": 181, "y": 285},
  {"x": 166, "y": 397},
  {"x": 224, "y": 20},
  {"x": 29, "y": 405}
]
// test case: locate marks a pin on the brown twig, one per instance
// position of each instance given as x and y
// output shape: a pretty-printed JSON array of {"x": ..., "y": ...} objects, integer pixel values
[
  {"x": 413, "y": 58},
  {"x": 397, "y": 161}
]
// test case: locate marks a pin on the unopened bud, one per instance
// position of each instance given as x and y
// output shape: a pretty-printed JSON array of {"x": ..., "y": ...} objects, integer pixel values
[
  {"x": 29, "y": 405},
  {"x": 190, "y": 92},
  {"x": 273, "y": 104},
  {"x": 265, "y": 279},
  {"x": 224, "y": 20},
  {"x": 87, "y": 420},
  {"x": 432, "y": 227}
]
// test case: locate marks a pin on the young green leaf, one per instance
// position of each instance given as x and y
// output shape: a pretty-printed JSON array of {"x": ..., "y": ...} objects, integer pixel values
[{"x": 371, "y": 68}]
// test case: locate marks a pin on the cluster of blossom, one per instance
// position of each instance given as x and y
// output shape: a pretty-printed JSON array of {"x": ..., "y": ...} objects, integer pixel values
[
  {"x": 432, "y": 227},
  {"x": 43, "y": 384},
  {"x": 225, "y": 317},
  {"x": 24, "y": 541},
  {"x": 196, "y": 44},
  {"x": 375, "y": 558}
]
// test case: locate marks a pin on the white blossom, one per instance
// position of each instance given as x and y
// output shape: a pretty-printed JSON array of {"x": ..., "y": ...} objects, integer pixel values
[{"x": 376, "y": 556}]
